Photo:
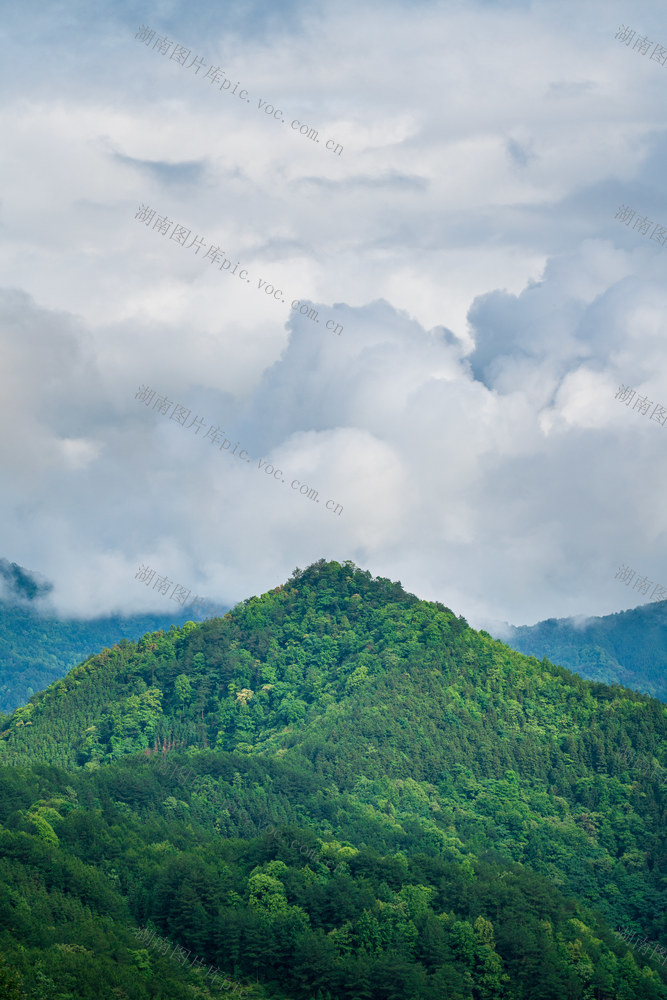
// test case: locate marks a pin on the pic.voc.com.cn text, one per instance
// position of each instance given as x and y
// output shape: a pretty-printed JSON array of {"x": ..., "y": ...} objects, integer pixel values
[
  {"x": 180, "y": 55},
  {"x": 180, "y": 414},
  {"x": 181, "y": 235}
]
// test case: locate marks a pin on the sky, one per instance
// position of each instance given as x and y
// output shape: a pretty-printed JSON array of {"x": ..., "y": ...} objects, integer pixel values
[{"x": 426, "y": 314}]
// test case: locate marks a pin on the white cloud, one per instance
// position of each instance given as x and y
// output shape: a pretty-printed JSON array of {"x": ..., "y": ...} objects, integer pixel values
[{"x": 465, "y": 239}]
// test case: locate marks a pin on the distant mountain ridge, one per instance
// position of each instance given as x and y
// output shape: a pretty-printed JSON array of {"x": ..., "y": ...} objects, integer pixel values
[
  {"x": 35, "y": 651},
  {"x": 19, "y": 584},
  {"x": 628, "y": 648},
  {"x": 37, "y": 648}
]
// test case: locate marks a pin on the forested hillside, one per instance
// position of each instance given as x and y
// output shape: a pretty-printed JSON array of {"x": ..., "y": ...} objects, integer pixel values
[
  {"x": 446, "y": 817},
  {"x": 36, "y": 650},
  {"x": 629, "y": 647}
]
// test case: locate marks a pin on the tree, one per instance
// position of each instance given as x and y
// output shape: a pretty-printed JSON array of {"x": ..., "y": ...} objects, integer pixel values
[
  {"x": 183, "y": 689},
  {"x": 267, "y": 893},
  {"x": 11, "y": 983}
]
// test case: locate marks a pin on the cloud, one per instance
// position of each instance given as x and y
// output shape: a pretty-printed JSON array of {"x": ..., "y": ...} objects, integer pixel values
[
  {"x": 166, "y": 173},
  {"x": 398, "y": 182},
  {"x": 465, "y": 239},
  {"x": 519, "y": 154}
]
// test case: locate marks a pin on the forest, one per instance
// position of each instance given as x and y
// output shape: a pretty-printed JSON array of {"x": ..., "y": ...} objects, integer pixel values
[
  {"x": 335, "y": 791},
  {"x": 37, "y": 649},
  {"x": 625, "y": 648}
]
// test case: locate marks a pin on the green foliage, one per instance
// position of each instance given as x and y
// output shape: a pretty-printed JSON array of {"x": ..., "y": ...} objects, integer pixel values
[
  {"x": 36, "y": 650},
  {"x": 628, "y": 647},
  {"x": 11, "y": 983},
  {"x": 485, "y": 830},
  {"x": 44, "y": 829}
]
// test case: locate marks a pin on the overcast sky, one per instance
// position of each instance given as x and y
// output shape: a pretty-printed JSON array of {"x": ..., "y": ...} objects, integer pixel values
[{"x": 465, "y": 239}]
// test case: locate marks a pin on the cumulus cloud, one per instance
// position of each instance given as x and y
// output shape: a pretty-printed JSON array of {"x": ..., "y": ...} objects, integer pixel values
[{"x": 464, "y": 420}]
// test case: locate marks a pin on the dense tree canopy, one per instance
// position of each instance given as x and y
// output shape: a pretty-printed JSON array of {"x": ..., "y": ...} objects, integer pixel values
[
  {"x": 335, "y": 791},
  {"x": 37, "y": 650},
  {"x": 629, "y": 647}
]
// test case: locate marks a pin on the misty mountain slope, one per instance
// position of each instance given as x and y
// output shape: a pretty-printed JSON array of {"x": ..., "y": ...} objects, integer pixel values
[
  {"x": 20, "y": 584},
  {"x": 629, "y": 647},
  {"x": 38, "y": 647},
  {"x": 36, "y": 650}
]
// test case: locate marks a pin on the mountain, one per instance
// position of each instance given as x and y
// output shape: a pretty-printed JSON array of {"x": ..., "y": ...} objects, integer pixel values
[
  {"x": 19, "y": 584},
  {"x": 37, "y": 648},
  {"x": 629, "y": 647},
  {"x": 335, "y": 791}
]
